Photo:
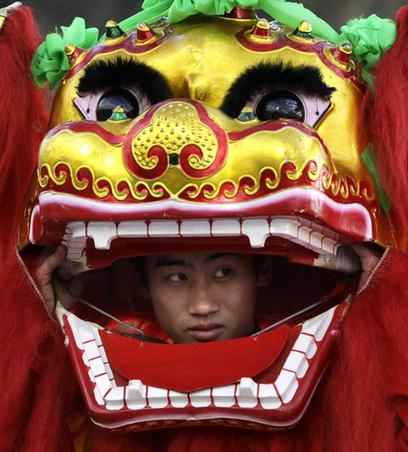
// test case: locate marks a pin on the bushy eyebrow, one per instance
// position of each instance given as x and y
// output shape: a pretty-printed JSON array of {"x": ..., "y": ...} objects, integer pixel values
[
  {"x": 168, "y": 261},
  {"x": 120, "y": 72},
  {"x": 305, "y": 79}
]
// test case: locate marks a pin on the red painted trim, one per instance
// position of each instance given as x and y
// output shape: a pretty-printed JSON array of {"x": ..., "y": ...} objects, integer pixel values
[
  {"x": 283, "y": 41},
  {"x": 128, "y": 45},
  {"x": 88, "y": 127}
]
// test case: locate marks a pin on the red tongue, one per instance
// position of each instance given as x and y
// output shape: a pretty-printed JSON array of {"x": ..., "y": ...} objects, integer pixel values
[{"x": 191, "y": 367}]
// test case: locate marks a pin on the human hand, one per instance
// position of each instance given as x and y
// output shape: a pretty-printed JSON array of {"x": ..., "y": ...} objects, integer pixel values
[
  {"x": 51, "y": 287},
  {"x": 369, "y": 258}
]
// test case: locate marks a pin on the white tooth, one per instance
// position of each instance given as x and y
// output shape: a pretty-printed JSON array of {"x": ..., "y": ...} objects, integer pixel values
[
  {"x": 268, "y": 397},
  {"x": 304, "y": 234},
  {"x": 226, "y": 227},
  {"x": 115, "y": 399},
  {"x": 103, "y": 354},
  {"x": 102, "y": 385},
  {"x": 91, "y": 350},
  {"x": 297, "y": 363},
  {"x": 158, "y": 397},
  {"x": 319, "y": 325},
  {"x": 304, "y": 221},
  {"x": 108, "y": 371},
  {"x": 330, "y": 246},
  {"x": 76, "y": 230},
  {"x": 316, "y": 241},
  {"x": 284, "y": 227},
  {"x": 247, "y": 393},
  {"x": 85, "y": 360},
  {"x": 306, "y": 344},
  {"x": 102, "y": 233},
  {"x": 132, "y": 229},
  {"x": 201, "y": 399},
  {"x": 224, "y": 396},
  {"x": 95, "y": 332},
  {"x": 195, "y": 228},
  {"x": 286, "y": 385},
  {"x": 136, "y": 395},
  {"x": 178, "y": 399},
  {"x": 91, "y": 375},
  {"x": 163, "y": 228},
  {"x": 98, "y": 397},
  {"x": 80, "y": 331},
  {"x": 97, "y": 367},
  {"x": 257, "y": 231},
  {"x": 75, "y": 248}
]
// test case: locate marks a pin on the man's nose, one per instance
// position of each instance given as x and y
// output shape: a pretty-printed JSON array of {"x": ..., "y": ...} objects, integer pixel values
[{"x": 202, "y": 300}]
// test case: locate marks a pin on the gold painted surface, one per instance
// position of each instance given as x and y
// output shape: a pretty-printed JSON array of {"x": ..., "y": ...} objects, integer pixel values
[
  {"x": 174, "y": 126},
  {"x": 200, "y": 60},
  {"x": 248, "y": 158}
]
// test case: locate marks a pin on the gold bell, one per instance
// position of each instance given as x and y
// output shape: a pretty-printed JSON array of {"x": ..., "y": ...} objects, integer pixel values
[
  {"x": 343, "y": 53},
  {"x": 72, "y": 52},
  {"x": 144, "y": 34},
  {"x": 262, "y": 30},
  {"x": 113, "y": 30},
  {"x": 304, "y": 30}
]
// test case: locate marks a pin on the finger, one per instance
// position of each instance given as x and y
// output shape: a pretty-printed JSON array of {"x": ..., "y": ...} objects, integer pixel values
[
  {"x": 63, "y": 295},
  {"x": 50, "y": 264}
]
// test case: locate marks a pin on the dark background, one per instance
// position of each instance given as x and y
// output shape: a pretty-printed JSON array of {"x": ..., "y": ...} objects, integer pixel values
[{"x": 61, "y": 12}]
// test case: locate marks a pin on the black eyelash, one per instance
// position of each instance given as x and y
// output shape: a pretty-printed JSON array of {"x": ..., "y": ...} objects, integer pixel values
[
  {"x": 121, "y": 73},
  {"x": 305, "y": 79}
]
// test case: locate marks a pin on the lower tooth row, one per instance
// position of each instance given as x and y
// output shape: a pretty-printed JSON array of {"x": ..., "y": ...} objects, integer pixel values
[
  {"x": 136, "y": 396},
  {"x": 246, "y": 394}
]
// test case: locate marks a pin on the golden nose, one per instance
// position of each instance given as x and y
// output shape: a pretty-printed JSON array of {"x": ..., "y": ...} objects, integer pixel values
[{"x": 176, "y": 133}]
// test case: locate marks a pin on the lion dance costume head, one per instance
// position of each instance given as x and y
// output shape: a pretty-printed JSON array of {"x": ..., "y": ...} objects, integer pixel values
[{"x": 204, "y": 126}]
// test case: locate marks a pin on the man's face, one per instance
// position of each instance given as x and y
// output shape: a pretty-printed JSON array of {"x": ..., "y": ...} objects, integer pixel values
[{"x": 201, "y": 297}]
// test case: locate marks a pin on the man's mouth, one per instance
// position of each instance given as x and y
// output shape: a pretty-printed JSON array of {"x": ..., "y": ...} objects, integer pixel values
[{"x": 205, "y": 333}]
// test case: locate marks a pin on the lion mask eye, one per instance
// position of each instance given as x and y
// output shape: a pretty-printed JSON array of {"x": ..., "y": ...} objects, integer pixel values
[
  {"x": 120, "y": 102},
  {"x": 270, "y": 92},
  {"x": 285, "y": 104},
  {"x": 120, "y": 90}
]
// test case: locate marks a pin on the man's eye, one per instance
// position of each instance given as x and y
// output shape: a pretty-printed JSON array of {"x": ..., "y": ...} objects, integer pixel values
[
  {"x": 280, "y": 105},
  {"x": 223, "y": 273},
  {"x": 176, "y": 277},
  {"x": 111, "y": 100}
]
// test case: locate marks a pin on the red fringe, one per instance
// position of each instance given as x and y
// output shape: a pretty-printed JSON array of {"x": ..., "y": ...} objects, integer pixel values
[
  {"x": 23, "y": 119},
  {"x": 34, "y": 370},
  {"x": 361, "y": 406},
  {"x": 389, "y": 122}
]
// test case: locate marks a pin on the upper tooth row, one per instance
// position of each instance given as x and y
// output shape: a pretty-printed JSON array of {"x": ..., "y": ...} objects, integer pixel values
[
  {"x": 246, "y": 394},
  {"x": 256, "y": 229}
]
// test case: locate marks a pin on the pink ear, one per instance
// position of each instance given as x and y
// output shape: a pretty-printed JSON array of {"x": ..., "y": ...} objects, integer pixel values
[{"x": 389, "y": 122}]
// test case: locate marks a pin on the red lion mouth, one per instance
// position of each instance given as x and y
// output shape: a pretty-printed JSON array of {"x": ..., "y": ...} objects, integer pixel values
[{"x": 262, "y": 381}]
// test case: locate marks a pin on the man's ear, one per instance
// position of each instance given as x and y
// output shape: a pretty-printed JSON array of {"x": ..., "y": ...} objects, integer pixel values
[{"x": 264, "y": 272}]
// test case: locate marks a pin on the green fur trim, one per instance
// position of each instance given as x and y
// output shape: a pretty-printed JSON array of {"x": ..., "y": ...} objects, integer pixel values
[
  {"x": 50, "y": 64},
  {"x": 370, "y": 38}
]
